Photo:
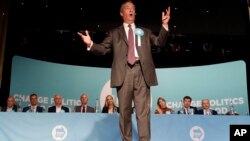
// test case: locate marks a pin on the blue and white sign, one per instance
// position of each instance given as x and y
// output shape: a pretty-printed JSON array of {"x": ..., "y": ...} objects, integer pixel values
[{"x": 224, "y": 84}]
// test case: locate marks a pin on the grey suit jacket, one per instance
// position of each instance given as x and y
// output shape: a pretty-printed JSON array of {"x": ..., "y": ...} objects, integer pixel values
[
  {"x": 117, "y": 42},
  {"x": 201, "y": 112},
  {"x": 89, "y": 109}
]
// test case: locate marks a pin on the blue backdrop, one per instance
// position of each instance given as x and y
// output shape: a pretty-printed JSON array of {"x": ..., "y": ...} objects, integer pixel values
[{"x": 224, "y": 84}]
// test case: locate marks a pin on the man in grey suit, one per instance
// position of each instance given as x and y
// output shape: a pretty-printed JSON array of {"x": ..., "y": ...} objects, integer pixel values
[
  {"x": 11, "y": 106},
  {"x": 84, "y": 108},
  {"x": 133, "y": 70},
  {"x": 206, "y": 110}
]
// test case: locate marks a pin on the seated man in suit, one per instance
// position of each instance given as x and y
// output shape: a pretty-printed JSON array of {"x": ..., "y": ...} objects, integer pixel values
[
  {"x": 33, "y": 105},
  {"x": 187, "y": 109},
  {"x": 11, "y": 106},
  {"x": 205, "y": 103},
  {"x": 84, "y": 108},
  {"x": 58, "y": 107}
]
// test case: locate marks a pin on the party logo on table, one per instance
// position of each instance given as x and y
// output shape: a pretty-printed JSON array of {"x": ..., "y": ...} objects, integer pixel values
[
  {"x": 197, "y": 133},
  {"x": 59, "y": 132}
]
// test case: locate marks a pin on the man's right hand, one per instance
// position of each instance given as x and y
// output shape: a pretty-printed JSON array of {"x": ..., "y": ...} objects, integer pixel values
[{"x": 86, "y": 38}]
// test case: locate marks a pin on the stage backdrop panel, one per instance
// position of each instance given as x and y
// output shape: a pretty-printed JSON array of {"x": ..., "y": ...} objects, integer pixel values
[{"x": 224, "y": 84}]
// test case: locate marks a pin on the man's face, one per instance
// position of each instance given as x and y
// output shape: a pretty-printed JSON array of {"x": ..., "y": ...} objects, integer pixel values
[
  {"x": 128, "y": 12},
  {"x": 205, "y": 104},
  {"x": 33, "y": 100},
  {"x": 187, "y": 103},
  {"x": 84, "y": 99},
  {"x": 58, "y": 100},
  {"x": 10, "y": 102}
]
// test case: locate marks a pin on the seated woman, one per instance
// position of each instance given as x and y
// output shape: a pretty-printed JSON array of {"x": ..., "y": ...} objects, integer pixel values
[
  {"x": 162, "y": 107},
  {"x": 109, "y": 106}
]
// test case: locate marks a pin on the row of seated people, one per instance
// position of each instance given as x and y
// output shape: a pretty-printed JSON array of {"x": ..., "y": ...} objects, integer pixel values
[
  {"x": 109, "y": 106},
  {"x": 186, "y": 108}
]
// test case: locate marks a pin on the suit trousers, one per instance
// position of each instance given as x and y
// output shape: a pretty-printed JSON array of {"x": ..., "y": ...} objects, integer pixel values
[{"x": 134, "y": 89}]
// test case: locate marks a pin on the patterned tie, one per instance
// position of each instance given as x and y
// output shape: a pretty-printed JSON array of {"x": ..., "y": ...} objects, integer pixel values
[{"x": 131, "y": 50}]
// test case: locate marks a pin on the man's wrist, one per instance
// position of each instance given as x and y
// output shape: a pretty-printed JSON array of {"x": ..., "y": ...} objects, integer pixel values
[
  {"x": 89, "y": 46},
  {"x": 165, "y": 26}
]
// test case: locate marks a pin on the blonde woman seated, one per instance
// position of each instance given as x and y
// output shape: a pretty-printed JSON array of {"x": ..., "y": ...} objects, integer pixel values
[
  {"x": 162, "y": 107},
  {"x": 109, "y": 106}
]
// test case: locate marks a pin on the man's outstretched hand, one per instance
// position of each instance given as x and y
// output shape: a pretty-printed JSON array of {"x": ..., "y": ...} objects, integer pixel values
[
  {"x": 166, "y": 17},
  {"x": 85, "y": 38}
]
